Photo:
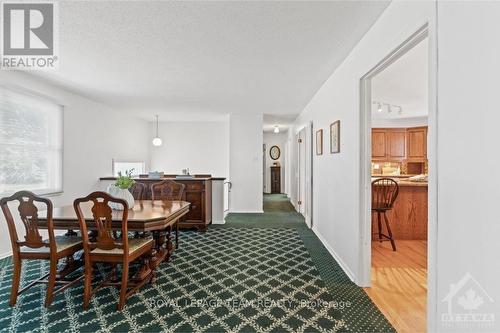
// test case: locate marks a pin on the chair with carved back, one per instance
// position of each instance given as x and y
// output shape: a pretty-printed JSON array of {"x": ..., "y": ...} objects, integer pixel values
[
  {"x": 138, "y": 191},
  {"x": 103, "y": 246},
  {"x": 33, "y": 246},
  {"x": 384, "y": 194},
  {"x": 172, "y": 191}
]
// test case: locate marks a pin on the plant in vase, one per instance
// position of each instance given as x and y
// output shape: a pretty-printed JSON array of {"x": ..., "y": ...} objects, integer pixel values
[{"x": 120, "y": 189}]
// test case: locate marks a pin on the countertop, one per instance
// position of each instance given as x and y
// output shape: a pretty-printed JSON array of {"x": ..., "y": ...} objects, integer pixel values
[{"x": 403, "y": 182}]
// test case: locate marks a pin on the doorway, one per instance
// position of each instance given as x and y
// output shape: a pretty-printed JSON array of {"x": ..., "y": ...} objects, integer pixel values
[{"x": 396, "y": 119}]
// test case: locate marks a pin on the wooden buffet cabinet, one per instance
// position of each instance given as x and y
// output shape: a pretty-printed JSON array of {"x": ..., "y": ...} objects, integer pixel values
[{"x": 198, "y": 193}]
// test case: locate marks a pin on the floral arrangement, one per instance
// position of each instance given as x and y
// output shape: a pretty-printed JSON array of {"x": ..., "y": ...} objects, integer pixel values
[{"x": 125, "y": 182}]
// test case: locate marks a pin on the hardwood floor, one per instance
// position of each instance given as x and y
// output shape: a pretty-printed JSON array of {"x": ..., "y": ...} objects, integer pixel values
[{"x": 399, "y": 283}]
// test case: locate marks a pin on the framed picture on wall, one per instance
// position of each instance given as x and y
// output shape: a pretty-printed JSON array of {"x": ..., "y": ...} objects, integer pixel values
[
  {"x": 335, "y": 137},
  {"x": 319, "y": 142}
]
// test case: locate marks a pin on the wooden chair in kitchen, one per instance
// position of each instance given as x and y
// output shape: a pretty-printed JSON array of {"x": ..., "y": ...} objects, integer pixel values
[
  {"x": 169, "y": 190},
  {"x": 33, "y": 246},
  {"x": 104, "y": 247},
  {"x": 384, "y": 193}
]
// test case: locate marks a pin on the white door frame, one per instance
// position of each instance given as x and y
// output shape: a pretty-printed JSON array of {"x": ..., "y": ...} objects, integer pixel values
[
  {"x": 307, "y": 198},
  {"x": 364, "y": 279}
]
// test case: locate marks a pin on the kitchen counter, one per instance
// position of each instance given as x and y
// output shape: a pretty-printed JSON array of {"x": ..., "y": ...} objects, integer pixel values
[
  {"x": 408, "y": 217},
  {"x": 403, "y": 181}
]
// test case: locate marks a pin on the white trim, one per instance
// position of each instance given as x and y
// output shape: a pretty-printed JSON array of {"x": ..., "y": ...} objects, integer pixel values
[
  {"x": 335, "y": 256},
  {"x": 428, "y": 30},
  {"x": 219, "y": 222},
  {"x": 246, "y": 211},
  {"x": 5, "y": 254}
]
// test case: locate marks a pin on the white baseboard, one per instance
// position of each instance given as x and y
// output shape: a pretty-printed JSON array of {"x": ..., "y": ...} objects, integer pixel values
[
  {"x": 342, "y": 264},
  {"x": 247, "y": 211},
  {"x": 218, "y": 222},
  {"x": 5, "y": 254}
]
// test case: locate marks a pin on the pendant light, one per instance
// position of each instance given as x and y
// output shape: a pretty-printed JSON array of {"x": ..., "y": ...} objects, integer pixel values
[
  {"x": 157, "y": 141},
  {"x": 276, "y": 129}
]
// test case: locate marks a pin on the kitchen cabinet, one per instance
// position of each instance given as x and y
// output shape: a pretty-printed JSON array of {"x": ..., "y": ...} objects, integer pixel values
[
  {"x": 399, "y": 144},
  {"x": 388, "y": 144},
  {"x": 396, "y": 143},
  {"x": 417, "y": 143},
  {"x": 379, "y": 143}
]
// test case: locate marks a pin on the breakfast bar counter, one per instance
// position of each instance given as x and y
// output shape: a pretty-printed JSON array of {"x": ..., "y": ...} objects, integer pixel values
[{"x": 409, "y": 215}]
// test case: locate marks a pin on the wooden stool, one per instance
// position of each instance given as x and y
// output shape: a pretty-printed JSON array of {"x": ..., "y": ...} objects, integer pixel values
[{"x": 384, "y": 193}]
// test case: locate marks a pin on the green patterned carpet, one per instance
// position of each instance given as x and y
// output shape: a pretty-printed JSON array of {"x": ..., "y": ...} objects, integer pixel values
[{"x": 257, "y": 273}]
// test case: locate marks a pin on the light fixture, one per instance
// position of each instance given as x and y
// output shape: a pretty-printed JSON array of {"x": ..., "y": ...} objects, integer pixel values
[
  {"x": 276, "y": 129},
  {"x": 157, "y": 141},
  {"x": 390, "y": 107}
]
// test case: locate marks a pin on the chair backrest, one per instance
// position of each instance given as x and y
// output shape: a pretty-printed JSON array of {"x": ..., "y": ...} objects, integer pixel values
[
  {"x": 138, "y": 191},
  {"x": 102, "y": 217},
  {"x": 28, "y": 213},
  {"x": 167, "y": 190},
  {"x": 384, "y": 193}
]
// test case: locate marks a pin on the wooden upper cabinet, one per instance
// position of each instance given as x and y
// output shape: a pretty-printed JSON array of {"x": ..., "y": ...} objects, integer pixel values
[
  {"x": 379, "y": 143},
  {"x": 397, "y": 143},
  {"x": 417, "y": 143}
]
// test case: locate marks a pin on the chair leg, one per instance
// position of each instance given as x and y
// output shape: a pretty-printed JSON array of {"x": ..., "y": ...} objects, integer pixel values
[
  {"x": 123, "y": 289},
  {"x": 16, "y": 280},
  {"x": 52, "y": 282},
  {"x": 177, "y": 234},
  {"x": 379, "y": 227},
  {"x": 87, "y": 291},
  {"x": 393, "y": 243}
]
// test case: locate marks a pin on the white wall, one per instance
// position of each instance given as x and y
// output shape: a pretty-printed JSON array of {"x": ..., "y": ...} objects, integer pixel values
[
  {"x": 336, "y": 205},
  {"x": 403, "y": 122},
  {"x": 468, "y": 138},
  {"x": 245, "y": 162},
  {"x": 467, "y": 93},
  {"x": 272, "y": 139},
  {"x": 200, "y": 146},
  {"x": 93, "y": 135}
]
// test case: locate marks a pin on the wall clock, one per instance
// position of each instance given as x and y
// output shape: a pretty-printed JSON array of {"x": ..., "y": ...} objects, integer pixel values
[{"x": 275, "y": 152}]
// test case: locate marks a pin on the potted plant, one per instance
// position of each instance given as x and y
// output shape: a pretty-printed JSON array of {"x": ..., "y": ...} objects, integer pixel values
[{"x": 120, "y": 190}]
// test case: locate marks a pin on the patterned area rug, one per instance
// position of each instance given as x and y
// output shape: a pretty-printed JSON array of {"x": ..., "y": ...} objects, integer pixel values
[{"x": 258, "y": 273}]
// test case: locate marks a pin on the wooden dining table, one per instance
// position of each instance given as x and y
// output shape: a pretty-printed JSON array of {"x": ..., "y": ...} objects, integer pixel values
[{"x": 155, "y": 216}]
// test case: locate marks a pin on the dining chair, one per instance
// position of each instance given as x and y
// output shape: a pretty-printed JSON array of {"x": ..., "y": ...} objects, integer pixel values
[
  {"x": 138, "y": 191},
  {"x": 32, "y": 245},
  {"x": 169, "y": 190},
  {"x": 384, "y": 193},
  {"x": 103, "y": 247}
]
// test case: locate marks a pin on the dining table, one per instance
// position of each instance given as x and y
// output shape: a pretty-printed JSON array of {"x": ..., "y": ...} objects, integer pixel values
[{"x": 157, "y": 217}]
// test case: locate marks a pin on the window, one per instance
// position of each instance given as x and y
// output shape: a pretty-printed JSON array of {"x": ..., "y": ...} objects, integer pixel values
[
  {"x": 30, "y": 143},
  {"x": 136, "y": 167}
]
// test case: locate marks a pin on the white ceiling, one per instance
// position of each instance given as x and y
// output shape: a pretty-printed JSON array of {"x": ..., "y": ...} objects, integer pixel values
[
  {"x": 403, "y": 83},
  {"x": 196, "y": 60}
]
